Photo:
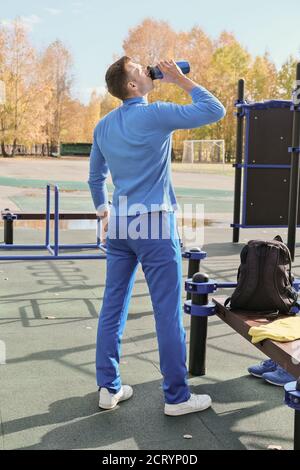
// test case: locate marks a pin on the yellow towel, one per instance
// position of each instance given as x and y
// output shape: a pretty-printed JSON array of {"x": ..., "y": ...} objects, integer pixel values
[{"x": 283, "y": 330}]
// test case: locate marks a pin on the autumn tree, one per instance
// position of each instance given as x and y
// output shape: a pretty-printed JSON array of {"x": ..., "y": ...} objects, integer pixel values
[
  {"x": 56, "y": 64},
  {"x": 20, "y": 77},
  {"x": 286, "y": 78},
  {"x": 91, "y": 116}
]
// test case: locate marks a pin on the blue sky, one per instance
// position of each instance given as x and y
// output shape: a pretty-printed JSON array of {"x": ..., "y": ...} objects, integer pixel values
[{"x": 94, "y": 30}]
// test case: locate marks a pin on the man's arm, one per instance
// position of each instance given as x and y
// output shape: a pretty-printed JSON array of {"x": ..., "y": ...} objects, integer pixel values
[
  {"x": 205, "y": 109},
  {"x": 97, "y": 175}
]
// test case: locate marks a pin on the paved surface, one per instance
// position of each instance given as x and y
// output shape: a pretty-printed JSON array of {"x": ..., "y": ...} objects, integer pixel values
[{"x": 48, "y": 397}]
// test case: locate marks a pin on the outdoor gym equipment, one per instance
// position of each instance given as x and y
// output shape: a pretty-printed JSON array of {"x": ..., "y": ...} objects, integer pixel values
[
  {"x": 198, "y": 287},
  {"x": 268, "y": 133},
  {"x": 53, "y": 249}
]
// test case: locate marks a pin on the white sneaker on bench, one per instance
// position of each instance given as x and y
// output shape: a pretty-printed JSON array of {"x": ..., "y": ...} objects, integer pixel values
[
  {"x": 108, "y": 400},
  {"x": 193, "y": 405}
]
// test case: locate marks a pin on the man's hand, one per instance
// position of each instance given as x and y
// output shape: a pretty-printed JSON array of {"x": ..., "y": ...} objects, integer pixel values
[
  {"x": 104, "y": 217},
  {"x": 172, "y": 73}
]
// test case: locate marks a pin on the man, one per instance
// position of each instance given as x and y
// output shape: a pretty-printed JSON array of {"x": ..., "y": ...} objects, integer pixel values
[{"x": 133, "y": 142}]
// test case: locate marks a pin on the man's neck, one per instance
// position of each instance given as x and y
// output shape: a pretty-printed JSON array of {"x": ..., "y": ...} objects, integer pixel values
[{"x": 137, "y": 96}]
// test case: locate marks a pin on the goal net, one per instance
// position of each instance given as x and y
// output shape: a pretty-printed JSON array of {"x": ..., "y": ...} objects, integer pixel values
[{"x": 203, "y": 151}]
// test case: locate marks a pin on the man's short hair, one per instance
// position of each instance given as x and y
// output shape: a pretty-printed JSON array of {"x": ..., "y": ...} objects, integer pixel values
[{"x": 116, "y": 78}]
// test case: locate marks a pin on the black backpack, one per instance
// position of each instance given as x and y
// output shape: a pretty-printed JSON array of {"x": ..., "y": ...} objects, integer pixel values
[{"x": 265, "y": 281}]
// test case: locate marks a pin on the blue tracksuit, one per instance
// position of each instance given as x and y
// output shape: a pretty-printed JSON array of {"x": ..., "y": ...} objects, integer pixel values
[{"x": 133, "y": 142}]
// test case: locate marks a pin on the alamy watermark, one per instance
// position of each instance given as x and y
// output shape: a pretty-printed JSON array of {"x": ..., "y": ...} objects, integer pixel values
[{"x": 137, "y": 221}]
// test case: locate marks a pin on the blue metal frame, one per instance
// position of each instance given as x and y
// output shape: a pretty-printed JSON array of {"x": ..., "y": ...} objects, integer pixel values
[
  {"x": 243, "y": 165},
  {"x": 194, "y": 255},
  {"x": 245, "y": 176},
  {"x": 205, "y": 288},
  {"x": 211, "y": 286},
  {"x": 54, "y": 249},
  {"x": 264, "y": 104},
  {"x": 207, "y": 310},
  {"x": 258, "y": 226},
  {"x": 292, "y": 396}
]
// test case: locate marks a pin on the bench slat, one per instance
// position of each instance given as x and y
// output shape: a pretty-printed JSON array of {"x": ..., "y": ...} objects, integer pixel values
[{"x": 285, "y": 354}]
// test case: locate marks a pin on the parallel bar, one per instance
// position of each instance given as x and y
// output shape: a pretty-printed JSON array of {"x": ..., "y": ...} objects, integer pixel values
[
  {"x": 49, "y": 257},
  {"x": 294, "y": 180},
  {"x": 79, "y": 246},
  {"x": 239, "y": 158},
  {"x": 22, "y": 247}
]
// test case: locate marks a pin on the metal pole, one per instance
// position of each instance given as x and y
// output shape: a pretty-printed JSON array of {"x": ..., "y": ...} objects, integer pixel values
[
  {"x": 8, "y": 230},
  {"x": 56, "y": 221},
  {"x": 297, "y": 430},
  {"x": 294, "y": 179},
  {"x": 193, "y": 268},
  {"x": 238, "y": 161},
  {"x": 198, "y": 332},
  {"x": 47, "y": 240}
]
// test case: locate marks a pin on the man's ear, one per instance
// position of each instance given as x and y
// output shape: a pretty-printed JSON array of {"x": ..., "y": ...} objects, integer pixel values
[{"x": 131, "y": 86}]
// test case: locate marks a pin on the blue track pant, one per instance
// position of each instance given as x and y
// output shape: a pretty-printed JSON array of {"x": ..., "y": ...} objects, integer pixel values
[{"x": 160, "y": 257}]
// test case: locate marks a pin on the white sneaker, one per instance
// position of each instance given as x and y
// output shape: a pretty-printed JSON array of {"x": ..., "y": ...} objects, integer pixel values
[
  {"x": 109, "y": 400},
  {"x": 194, "y": 404}
]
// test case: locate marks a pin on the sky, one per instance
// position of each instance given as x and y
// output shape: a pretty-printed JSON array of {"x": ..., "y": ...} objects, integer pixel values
[{"x": 94, "y": 30}]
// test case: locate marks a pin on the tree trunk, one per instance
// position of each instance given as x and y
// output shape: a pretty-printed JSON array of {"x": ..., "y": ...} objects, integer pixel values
[
  {"x": 14, "y": 148},
  {"x": 4, "y": 152}
]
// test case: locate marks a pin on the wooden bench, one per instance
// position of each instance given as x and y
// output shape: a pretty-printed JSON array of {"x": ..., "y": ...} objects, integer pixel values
[{"x": 286, "y": 354}]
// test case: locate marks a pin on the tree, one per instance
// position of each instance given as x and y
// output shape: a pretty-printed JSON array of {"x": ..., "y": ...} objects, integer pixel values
[
  {"x": 56, "y": 66},
  {"x": 286, "y": 78},
  {"x": 91, "y": 116},
  {"x": 19, "y": 67},
  {"x": 261, "y": 79}
]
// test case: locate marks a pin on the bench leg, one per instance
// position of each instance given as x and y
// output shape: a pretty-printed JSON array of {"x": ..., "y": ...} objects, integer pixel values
[
  {"x": 8, "y": 232},
  {"x": 297, "y": 430}
]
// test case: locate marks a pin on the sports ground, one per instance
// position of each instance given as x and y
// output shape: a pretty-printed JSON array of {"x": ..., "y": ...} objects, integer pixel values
[{"x": 49, "y": 310}]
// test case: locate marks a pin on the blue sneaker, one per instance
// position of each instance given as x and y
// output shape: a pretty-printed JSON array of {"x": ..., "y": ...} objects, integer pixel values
[
  {"x": 279, "y": 377},
  {"x": 262, "y": 368}
]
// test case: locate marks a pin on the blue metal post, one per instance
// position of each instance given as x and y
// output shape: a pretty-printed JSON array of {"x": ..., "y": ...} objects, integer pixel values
[
  {"x": 239, "y": 159},
  {"x": 47, "y": 240},
  {"x": 56, "y": 221}
]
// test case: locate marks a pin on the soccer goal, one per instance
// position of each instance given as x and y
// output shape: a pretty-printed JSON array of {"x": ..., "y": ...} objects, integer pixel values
[{"x": 203, "y": 151}]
